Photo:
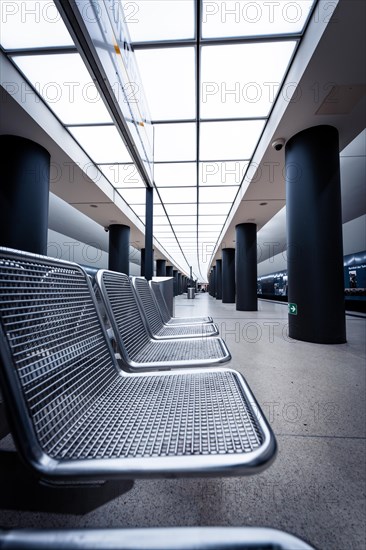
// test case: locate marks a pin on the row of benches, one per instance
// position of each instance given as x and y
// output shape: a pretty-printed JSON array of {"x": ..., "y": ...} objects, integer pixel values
[
  {"x": 79, "y": 411},
  {"x": 75, "y": 412}
]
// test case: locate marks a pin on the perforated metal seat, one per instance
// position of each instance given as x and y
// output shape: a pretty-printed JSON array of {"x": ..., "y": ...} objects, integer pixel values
[
  {"x": 164, "y": 311},
  {"x": 137, "y": 348},
  {"x": 172, "y": 538},
  {"x": 75, "y": 414},
  {"x": 154, "y": 323}
]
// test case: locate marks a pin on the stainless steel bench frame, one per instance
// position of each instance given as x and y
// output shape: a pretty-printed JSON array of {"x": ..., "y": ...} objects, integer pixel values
[
  {"x": 179, "y": 330},
  {"x": 134, "y": 366},
  {"x": 170, "y": 538},
  {"x": 164, "y": 312},
  {"x": 27, "y": 396}
]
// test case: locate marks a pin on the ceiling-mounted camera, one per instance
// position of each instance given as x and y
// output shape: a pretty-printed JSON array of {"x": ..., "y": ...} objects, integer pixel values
[{"x": 278, "y": 144}]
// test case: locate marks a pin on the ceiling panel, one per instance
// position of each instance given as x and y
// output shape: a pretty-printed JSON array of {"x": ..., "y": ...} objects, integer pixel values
[
  {"x": 64, "y": 83},
  {"x": 211, "y": 223},
  {"x": 213, "y": 209},
  {"x": 229, "y": 140},
  {"x": 218, "y": 194},
  {"x": 32, "y": 24},
  {"x": 168, "y": 75},
  {"x": 175, "y": 142},
  {"x": 158, "y": 19},
  {"x": 243, "y": 18},
  {"x": 181, "y": 209},
  {"x": 102, "y": 143},
  {"x": 178, "y": 195},
  {"x": 175, "y": 174},
  {"x": 122, "y": 175},
  {"x": 222, "y": 173},
  {"x": 186, "y": 220},
  {"x": 242, "y": 80}
]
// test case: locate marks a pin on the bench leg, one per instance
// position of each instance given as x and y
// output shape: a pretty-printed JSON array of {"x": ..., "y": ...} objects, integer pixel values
[{"x": 20, "y": 490}]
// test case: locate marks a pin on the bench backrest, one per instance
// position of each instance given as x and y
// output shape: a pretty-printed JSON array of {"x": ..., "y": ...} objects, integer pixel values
[
  {"x": 124, "y": 311},
  {"x": 163, "y": 308},
  {"x": 148, "y": 304},
  {"x": 54, "y": 353}
]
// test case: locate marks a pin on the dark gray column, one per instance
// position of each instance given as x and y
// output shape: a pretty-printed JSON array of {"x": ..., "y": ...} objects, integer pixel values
[
  {"x": 214, "y": 282},
  {"x": 218, "y": 279},
  {"x": 160, "y": 268},
  {"x": 24, "y": 194},
  {"x": 175, "y": 275},
  {"x": 149, "y": 253},
  {"x": 314, "y": 237},
  {"x": 119, "y": 248},
  {"x": 142, "y": 272},
  {"x": 169, "y": 271},
  {"x": 228, "y": 276},
  {"x": 246, "y": 267}
]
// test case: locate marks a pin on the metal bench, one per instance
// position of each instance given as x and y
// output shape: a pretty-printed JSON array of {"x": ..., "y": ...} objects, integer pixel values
[
  {"x": 170, "y": 538},
  {"x": 154, "y": 323},
  {"x": 164, "y": 311},
  {"x": 74, "y": 414},
  {"x": 137, "y": 348}
]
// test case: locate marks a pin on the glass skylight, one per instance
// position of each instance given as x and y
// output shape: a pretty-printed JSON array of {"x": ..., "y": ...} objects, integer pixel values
[
  {"x": 102, "y": 143},
  {"x": 222, "y": 173},
  {"x": 168, "y": 77},
  {"x": 181, "y": 209},
  {"x": 238, "y": 81},
  {"x": 229, "y": 140},
  {"x": 211, "y": 223},
  {"x": 150, "y": 20},
  {"x": 175, "y": 174},
  {"x": 243, "y": 18},
  {"x": 122, "y": 175},
  {"x": 218, "y": 194},
  {"x": 212, "y": 209},
  {"x": 181, "y": 223},
  {"x": 139, "y": 209},
  {"x": 32, "y": 24},
  {"x": 175, "y": 142},
  {"x": 134, "y": 196},
  {"x": 178, "y": 194},
  {"x": 64, "y": 83},
  {"x": 242, "y": 80},
  {"x": 206, "y": 229},
  {"x": 160, "y": 220}
]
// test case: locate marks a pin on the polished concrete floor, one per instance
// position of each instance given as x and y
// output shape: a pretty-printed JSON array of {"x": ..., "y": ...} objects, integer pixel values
[{"x": 314, "y": 397}]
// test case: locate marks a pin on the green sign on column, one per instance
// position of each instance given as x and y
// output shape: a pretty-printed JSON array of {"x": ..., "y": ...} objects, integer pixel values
[{"x": 292, "y": 309}]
